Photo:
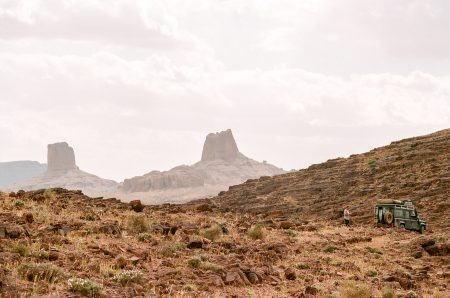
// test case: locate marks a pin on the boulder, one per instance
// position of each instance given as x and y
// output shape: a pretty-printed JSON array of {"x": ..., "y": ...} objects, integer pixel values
[{"x": 136, "y": 206}]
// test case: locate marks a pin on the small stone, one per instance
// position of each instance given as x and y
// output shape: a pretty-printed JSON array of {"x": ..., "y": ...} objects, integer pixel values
[
  {"x": 195, "y": 244},
  {"x": 28, "y": 217}
]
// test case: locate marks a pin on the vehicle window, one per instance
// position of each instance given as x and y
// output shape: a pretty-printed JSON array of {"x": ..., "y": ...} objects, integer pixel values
[
  {"x": 398, "y": 213},
  {"x": 406, "y": 213}
]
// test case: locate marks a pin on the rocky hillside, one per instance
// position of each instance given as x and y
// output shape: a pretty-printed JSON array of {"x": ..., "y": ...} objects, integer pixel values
[
  {"x": 416, "y": 168},
  {"x": 59, "y": 243},
  {"x": 221, "y": 165}
]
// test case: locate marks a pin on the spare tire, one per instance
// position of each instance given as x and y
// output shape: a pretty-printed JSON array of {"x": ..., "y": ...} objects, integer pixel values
[{"x": 388, "y": 217}]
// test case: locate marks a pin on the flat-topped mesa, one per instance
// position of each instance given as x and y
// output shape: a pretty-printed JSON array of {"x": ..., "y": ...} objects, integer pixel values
[
  {"x": 60, "y": 156},
  {"x": 220, "y": 145}
]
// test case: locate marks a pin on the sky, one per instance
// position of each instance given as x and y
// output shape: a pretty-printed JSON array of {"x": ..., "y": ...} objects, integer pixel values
[{"x": 135, "y": 86}]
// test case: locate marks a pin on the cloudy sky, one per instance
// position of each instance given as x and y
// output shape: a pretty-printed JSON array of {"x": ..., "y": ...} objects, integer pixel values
[{"x": 135, "y": 86}]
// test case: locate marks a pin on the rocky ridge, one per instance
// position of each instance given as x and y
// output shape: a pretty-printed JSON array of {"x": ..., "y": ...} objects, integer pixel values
[{"x": 221, "y": 165}]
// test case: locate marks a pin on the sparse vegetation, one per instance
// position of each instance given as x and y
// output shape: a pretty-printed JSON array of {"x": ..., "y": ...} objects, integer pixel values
[
  {"x": 212, "y": 266},
  {"x": 21, "y": 249},
  {"x": 330, "y": 248},
  {"x": 49, "y": 194},
  {"x": 171, "y": 249},
  {"x": 372, "y": 163},
  {"x": 137, "y": 224},
  {"x": 194, "y": 262},
  {"x": 19, "y": 203},
  {"x": 213, "y": 233},
  {"x": 353, "y": 289},
  {"x": 371, "y": 273},
  {"x": 256, "y": 232},
  {"x": 83, "y": 286},
  {"x": 388, "y": 292},
  {"x": 129, "y": 276},
  {"x": 36, "y": 272},
  {"x": 374, "y": 250},
  {"x": 190, "y": 287},
  {"x": 303, "y": 266}
]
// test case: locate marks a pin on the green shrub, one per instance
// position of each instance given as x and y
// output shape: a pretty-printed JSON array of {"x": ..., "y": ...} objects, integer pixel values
[
  {"x": 353, "y": 289},
  {"x": 49, "y": 194},
  {"x": 172, "y": 248},
  {"x": 213, "y": 233},
  {"x": 256, "y": 232},
  {"x": 194, "y": 262},
  {"x": 138, "y": 224},
  {"x": 303, "y": 266},
  {"x": 84, "y": 286},
  {"x": 129, "y": 276},
  {"x": 330, "y": 248},
  {"x": 374, "y": 250},
  {"x": 19, "y": 203},
  {"x": 371, "y": 273},
  {"x": 45, "y": 271},
  {"x": 372, "y": 163},
  {"x": 145, "y": 237},
  {"x": 290, "y": 233}
]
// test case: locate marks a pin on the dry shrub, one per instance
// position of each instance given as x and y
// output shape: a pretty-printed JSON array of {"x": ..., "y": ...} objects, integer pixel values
[
  {"x": 138, "y": 224},
  {"x": 256, "y": 232},
  {"x": 213, "y": 233},
  {"x": 353, "y": 289}
]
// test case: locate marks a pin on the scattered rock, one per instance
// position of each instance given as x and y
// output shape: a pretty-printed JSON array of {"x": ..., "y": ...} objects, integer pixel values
[
  {"x": 290, "y": 274},
  {"x": 136, "y": 206}
]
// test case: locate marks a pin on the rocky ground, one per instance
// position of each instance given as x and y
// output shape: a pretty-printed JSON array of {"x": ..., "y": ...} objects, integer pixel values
[{"x": 58, "y": 243}]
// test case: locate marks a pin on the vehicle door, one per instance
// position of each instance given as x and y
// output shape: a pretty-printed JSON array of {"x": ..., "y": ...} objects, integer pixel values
[
  {"x": 414, "y": 221},
  {"x": 407, "y": 219}
]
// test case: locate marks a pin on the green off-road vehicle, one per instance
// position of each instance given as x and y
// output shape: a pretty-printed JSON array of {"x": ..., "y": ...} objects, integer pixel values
[{"x": 401, "y": 214}]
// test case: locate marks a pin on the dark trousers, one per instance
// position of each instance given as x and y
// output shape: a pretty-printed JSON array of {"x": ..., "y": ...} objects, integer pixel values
[{"x": 346, "y": 222}]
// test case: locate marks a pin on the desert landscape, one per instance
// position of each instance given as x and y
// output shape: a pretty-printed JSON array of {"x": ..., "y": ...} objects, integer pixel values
[{"x": 278, "y": 236}]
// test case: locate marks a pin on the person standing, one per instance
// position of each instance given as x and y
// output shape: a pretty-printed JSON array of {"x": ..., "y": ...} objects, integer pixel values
[{"x": 346, "y": 216}]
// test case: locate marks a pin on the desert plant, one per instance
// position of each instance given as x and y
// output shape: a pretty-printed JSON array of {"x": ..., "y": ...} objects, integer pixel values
[
  {"x": 256, "y": 232},
  {"x": 172, "y": 248},
  {"x": 129, "y": 276},
  {"x": 190, "y": 287},
  {"x": 303, "y": 266},
  {"x": 194, "y": 262},
  {"x": 353, "y": 289},
  {"x": 138, "y": 224},
  {"x": 374, "y": 250},
  {"x": 213, "y": 233},
  {"x": 21, "y": 249},
  {"x": 372, "y": 163},
  {"x": 45, "y": 271},
  {"x": 145, "y": 237},
  {"x": 84, "y": 286},
  {"x": 371, "y": 273},
  {"x": 212, "y": 267},
  {"x": 330, "y": 248},
  {"x": 388, "y": 292},
  {"x": 290, "y": 233},
  {"x": 19, "y": 203},
  {"x": 49, "y": 194}
]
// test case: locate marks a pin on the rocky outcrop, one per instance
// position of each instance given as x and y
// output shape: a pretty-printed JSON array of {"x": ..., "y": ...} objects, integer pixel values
[
  {"x": 14, "y": 171},
  {"x": 63, "y": 172},
  {"x": 60, "y": 156},
  {"x": 220, "y": 145},
  {"x": 221, "y": 165}
]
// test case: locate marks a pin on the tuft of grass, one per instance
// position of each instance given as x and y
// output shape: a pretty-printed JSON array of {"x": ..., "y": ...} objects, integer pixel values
[
  {"x": 388, "y": 292},
  {"x": 372, "y": 163},
  {"x": 190, "y": 287},
  {"x": 195, "y": 262},
  {"x": 374, "y": 250},
  {"x": 303, "y": 266},
  {"x": 83, "y": 286},
  {"x": 353, "y": 289},
  {"x": 138, "y": 224},
  {"x": 49, "y": 194},
  {"x": 36, "y": 272},
  {"x": 145, "y": 237},
  {"x": 21, "y": 249},
  {"x": 212, "y": 267},
  {"x": 290, "y": 233},
  {"x": 371, "y": 273},
  {"x": 330, "y": 248},
  {"x": 172, "y": 248},
  {"x": 213, "y": 233},
  {"x": 256, "y": 232},
  {"x": 129, "y": 276}
]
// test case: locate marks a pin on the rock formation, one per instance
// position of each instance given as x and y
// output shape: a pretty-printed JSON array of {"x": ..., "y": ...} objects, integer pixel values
[
  {"x": 60, "y": 156},
  {"x": 221, "y": 165},
  {"x": 220, "y": 145},
  {"x": 63, "y": 172}
]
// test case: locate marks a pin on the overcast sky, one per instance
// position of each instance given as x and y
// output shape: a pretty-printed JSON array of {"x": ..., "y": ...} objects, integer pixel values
[{"x": 135, "y": 86}]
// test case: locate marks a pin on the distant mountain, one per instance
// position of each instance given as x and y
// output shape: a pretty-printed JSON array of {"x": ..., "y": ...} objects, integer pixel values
[
  {"x": 221, "y": 165},
  {"x": 63, "y": 172},
  {"x": 13, "y": 171}
]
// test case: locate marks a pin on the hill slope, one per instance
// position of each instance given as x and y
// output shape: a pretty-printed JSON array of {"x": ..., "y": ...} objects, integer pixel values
[
  {"x": 14, "y": 171},
  {"x": 416, "y": 168}
]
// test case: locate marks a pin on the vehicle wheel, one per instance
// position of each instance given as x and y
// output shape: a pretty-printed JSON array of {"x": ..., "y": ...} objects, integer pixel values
[
  {"x": 402, "y": 226},
  {"x": 422, "y": 229},
  {"x": 388, "y": 217}
]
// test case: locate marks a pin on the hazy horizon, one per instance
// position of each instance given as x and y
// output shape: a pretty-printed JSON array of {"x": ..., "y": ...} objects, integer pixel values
[{"x": 135, "y": 86}]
